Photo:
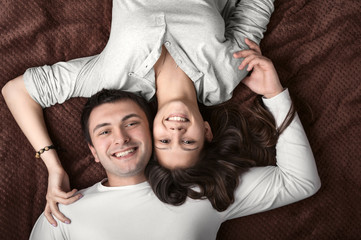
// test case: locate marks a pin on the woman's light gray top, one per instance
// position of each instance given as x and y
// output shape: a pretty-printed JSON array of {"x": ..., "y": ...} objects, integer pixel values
[{"x": 201, "y": 36}]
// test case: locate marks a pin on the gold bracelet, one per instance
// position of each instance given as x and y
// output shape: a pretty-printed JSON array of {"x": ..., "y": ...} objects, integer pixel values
[{"x": 47, "y": 148}]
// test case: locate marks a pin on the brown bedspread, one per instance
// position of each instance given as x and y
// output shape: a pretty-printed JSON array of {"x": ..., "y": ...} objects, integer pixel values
[{"x": 316, "y": 48}]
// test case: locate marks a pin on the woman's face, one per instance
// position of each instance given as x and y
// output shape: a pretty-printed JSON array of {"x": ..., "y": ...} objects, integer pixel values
[{"x": 179, "y": 134}]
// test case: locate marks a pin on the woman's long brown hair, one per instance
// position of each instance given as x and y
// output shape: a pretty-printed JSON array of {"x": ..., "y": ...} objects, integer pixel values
[{"x": 243, "y": 137}]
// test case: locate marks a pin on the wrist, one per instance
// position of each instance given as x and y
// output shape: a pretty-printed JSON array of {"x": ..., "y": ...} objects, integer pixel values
[
  {"x": 51, "y": 161},
  {"x": 274, "y": 93}
]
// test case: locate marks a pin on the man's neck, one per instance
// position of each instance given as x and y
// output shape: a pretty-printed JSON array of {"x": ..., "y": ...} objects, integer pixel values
[{"x": 124, "y": 181}]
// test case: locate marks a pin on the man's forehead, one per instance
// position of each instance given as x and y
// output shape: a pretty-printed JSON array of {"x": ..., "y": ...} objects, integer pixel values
[{"x": 118, "y": 109}]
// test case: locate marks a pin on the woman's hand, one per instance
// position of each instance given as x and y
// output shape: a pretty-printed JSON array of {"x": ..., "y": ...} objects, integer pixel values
[
  {"x": 58, "y": 192},
  {"x": 264, "y": 78}
]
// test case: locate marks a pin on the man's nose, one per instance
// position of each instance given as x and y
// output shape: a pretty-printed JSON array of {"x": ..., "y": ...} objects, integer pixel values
[{"x": 121, "y": 137}]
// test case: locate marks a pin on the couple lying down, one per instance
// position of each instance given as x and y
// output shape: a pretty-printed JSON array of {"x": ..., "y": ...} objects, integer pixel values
[
  {"x": 130, "y": 203},
  {"x": 195, "y": 174}
]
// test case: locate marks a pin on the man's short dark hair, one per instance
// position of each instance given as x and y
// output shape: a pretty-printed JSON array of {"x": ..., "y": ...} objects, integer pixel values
[{"x": 111, "y": 96}]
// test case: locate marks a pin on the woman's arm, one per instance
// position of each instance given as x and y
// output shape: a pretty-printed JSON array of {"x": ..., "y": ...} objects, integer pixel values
[
  {"x": 247, "y": 19},
  {"x": 29, "y": 116},
  {"x": 52, "y": 84},
  {"x": 295, "y": 177}
]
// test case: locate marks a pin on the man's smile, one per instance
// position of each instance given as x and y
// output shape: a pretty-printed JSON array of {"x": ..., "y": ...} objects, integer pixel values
[{"x": 125, "y": 153}]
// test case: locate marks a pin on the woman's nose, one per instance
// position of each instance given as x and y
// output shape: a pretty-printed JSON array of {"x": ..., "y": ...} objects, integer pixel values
[{"x": 174, "y": 126}]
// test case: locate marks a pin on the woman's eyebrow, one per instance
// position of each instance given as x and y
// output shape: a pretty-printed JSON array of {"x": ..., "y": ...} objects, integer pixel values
[{"x": 184, "y": 149}]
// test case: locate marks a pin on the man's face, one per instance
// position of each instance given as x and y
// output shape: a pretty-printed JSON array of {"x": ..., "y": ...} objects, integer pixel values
[{"x": 121, "y": 141}]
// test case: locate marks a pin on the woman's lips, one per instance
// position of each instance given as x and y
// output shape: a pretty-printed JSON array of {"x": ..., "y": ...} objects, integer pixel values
[{"x": 177, "y": 118}]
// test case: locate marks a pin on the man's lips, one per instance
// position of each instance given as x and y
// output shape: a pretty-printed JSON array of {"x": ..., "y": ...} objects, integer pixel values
[{"x": 125, "y": 153}]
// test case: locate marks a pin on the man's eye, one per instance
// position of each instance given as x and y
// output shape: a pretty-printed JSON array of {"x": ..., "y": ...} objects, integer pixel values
[
  {"x": 164, "y": 141},
  {"x": 188, "y": 142},
  {"x": 103, "y": 132},
  {"x": 131, "y": 124}
]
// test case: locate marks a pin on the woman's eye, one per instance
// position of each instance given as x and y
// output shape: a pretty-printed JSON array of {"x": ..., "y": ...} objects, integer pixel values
[
  {"x": 188, "y": 142},
  {"x": 164, "y": 141}
]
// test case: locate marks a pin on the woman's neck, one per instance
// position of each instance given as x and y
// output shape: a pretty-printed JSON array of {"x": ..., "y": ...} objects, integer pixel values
[{"x": 171, "y": 82}]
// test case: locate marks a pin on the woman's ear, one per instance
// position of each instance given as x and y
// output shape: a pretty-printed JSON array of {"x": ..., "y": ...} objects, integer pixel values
[
  {"x": 94, "y": 152},
  {"x": 208, "y": 132}
]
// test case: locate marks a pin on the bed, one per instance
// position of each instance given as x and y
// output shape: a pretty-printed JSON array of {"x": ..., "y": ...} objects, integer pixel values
[{"x": 316, "y": 48}]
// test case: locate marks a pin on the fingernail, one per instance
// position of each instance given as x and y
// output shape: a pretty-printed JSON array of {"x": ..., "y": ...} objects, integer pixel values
[
  {"x": 67, "y": 222},
  {"x": 53, "y": 224}
]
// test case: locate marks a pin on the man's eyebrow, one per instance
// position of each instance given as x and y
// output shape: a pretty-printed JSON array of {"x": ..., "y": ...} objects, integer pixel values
[
  {"x": 100, "y": 126},
  {"x": 125, "y": 118}
]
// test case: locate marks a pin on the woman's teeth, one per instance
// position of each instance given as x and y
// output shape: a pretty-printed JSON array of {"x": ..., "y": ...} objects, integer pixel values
[{"x": 178, "y": 119}]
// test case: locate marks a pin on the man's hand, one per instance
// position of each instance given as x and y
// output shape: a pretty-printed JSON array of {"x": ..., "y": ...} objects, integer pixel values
[
  {"x": 264, "y": 78},
  {"x": 58, "y": 192}
]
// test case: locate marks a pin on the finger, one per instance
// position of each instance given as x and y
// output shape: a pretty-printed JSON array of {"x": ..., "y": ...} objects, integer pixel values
[
  {"x": 244, "y": 53},
  {"x": 48, "y": 216},
  {"x": 252, "y": 45},
  {"x": 252, "y": 63},
  {"x": 263, "y": 62},
  {"x": 67, "y": 201},
  {"x": 55, "y": 211},
  {"x": 62, "y": 194},
  {"x": 246, "y": 61}
]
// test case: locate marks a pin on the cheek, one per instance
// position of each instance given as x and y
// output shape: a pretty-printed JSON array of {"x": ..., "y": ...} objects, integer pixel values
[
  {"x": 198, "y": 133},
  {"x": 157, "y": 130},
  {"x": 101, "y": 145}
]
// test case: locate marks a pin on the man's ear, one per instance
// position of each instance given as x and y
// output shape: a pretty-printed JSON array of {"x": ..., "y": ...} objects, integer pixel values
[
  {"x": 94, "y": 152},
  {"x": 208, "y": 132}
]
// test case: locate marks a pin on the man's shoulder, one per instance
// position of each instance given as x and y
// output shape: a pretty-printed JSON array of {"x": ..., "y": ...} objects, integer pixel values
[{"x": 92, "y": 189}]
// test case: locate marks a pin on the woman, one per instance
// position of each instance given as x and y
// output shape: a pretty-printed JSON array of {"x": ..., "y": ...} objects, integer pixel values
[
  {"x": 153, "y": 45},
  {"x": 238, "y": 141}
]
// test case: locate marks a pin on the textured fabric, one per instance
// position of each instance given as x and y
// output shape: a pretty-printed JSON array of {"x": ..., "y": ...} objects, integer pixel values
[
  {"x": 315, "y": 46},
  {"x": 134, "y": 212},
  {"x": 200, "y": 41}
]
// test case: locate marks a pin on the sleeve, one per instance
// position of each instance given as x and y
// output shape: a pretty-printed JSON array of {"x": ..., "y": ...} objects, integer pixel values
[
  {"x": 49, "y": 85},
  {"x": 247, "y": 19},
  {"x": 42, "y": 230},
  {"x": 294, "y": 178}
]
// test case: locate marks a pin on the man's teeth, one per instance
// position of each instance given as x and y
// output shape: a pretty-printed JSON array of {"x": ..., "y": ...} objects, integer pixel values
[
  {"x": 122, "y": 154},
  {"x": 179, "y": 119}
]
